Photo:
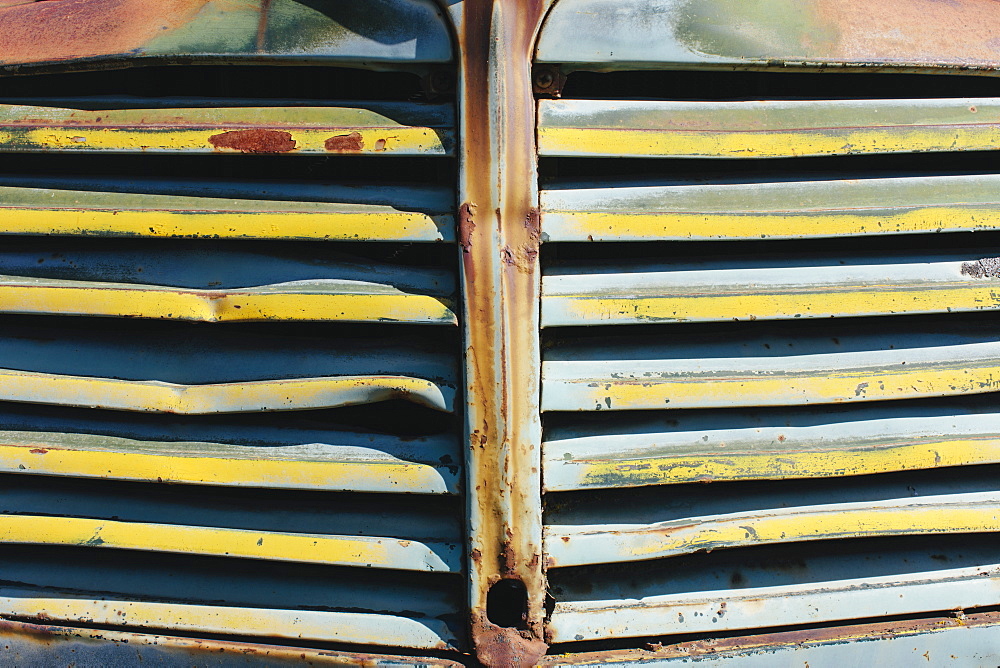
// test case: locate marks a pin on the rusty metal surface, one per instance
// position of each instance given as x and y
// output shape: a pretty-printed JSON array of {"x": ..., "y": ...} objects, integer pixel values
[
  {"x": 959, "y": 640},
  {"x": 33, "y": 644},
  {"x": 499, "y": 236},
  {"x": 91, "y": 32},
  {"x": 617, "y": 34},
  {"x": 383, "y": 129}
]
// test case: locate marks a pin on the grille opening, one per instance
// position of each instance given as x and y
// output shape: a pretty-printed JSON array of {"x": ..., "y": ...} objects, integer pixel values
[
  {"x": 507, "y": 604},
  {"x": 748, "y": 85},
  {"x": 261, "y": 176},
  {"x": 627, "y": 172},
  {"x": 421, "y": 517},
  {"x": 662, "y": 503},
  {"x": 155, "y": 83},
  {"x": 830, "y": 251}
]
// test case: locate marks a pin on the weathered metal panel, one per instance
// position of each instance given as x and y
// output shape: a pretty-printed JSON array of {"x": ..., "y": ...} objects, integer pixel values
[
  {"x": 648, "y": 382},
  {"x": 780, "y": 446},
  {"x": 717, "y": 612},
  {"x": 33, "y": 644},
  {"x": 345, "y": 31},
  {"x": 960, "y": 640},
  {"x": 765, "y": 129},
  {"x": 304, "y": 625},
  {"x": 626, "y": 34},
  {"x": 363, "y": 551},
  {"x": 386, "y": 128},
  {"x": 499, "y": 238},
  {"x": 771, "y": 210},
  {"x": 227, "y": 451},
  {"x": 46, "y": 205},
  {"x": 735, "y": 289},
  {"x": 576, "y": 545}
]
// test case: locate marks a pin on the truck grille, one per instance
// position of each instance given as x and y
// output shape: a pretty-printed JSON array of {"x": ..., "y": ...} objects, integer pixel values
[{"x": 780, "y": 307}]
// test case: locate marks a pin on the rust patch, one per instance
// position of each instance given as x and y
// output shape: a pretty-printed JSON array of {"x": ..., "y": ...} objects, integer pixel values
[
  {"x": 254, "y": 141},
  {"x": 51, "y": 31},
  {"x": 466, "y": 225},
  {"x": 988, "y": 267},
  {"x": 962, "y": 32},
  {"x": 38, "y": 451},
  {"x": 351, "y": 143},
  {"x": 499, "y": 647},
  {"x": 379, "y": 145}
]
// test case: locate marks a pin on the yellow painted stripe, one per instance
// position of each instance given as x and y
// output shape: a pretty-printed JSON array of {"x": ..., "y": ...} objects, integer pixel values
[
  {"x": 765, "y": 144},
  {"x": 297, "y": 547},
  {"x": 608, "y": 226},
  {"x": 353, "y": 226},
  {"x": 571, "y": 549},
  {"x": 360, "y": 628},
  {"x": 764, "y": 389},
  {"x": 765, "y": 303},
  {"x": 375, "y": 141},
  {"x": 780, "y": 465},
  {"x": 220, "y": 306},
  {"x": 262, "y": 395},
  {"x": 389, "y": 476}
]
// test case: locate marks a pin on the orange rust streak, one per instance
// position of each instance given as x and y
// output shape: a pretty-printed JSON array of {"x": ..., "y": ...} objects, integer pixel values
[
  {"x": 499, "y": 239},
  {"x": 49, "y": 31}
]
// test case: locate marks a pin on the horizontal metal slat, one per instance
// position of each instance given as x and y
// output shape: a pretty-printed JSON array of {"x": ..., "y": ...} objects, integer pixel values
[
  {"x": 628, "y": 295},
  {"x": 591, "y": 544},
  {"x": 768, "y": 381},
  {"x": 312, "y": 625},
  {"x": 348, "y": 301},
  {"x": 382, "y": 214},
  {"x": 312, "y": 466},
  {"x": 305, "y": 451},
  {"x": 361, "y": 551},
  {"x": 769, "y": 129},
  {"x": 263, "y": 395},
  {"x": 718, "y": 611},
  {"x": 768, "y": 452},
  {"x": 778, "y": 210},
  {"x": 369, "y": 129}
]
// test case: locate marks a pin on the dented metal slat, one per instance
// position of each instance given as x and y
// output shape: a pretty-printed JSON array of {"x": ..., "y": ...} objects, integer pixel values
[
  {"x": 592, "y": 544},
  {"x": 309, "y": 625},
  {"x": 363, "y": 551},
  {"x": 803, "y": 379},
  {"x": 771, "y": 129},
  {"x": 772, "y": 210},
  {"x": 370, "y": 129},
  {"x": 287, "y": 394},
  {"x": 308, "y": 467},
  {"x": 347, "y": 301},
  {"x": 626, "y": 294},
  {"x": 397, "y": 214},
  {"x": 719, "y": 611},
  {"x": 830, "y": 449}
]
